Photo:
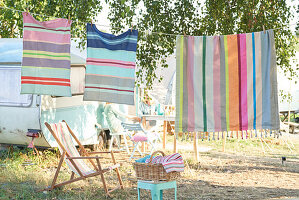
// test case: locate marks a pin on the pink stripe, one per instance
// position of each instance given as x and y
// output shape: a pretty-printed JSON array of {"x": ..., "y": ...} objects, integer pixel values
[
  {"x": 175, "y": 168},
  {"x": 174, "y": 162},
  {"x": 190, "y": 86},
  {"x": 243, "y": 82},
  {"x": 108, "y": 60},
  {"x": 216, "y": 83},
  {"x": 110, "y": 65},
  {"x": 167, "y": 158},
  {"x": 111, "y": 76},
  {"x": 27, "y": 18},
  {"x": 46, "y": 37}
]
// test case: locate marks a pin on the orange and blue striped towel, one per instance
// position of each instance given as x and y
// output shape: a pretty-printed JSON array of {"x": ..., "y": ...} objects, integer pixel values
[
  {"x": 226, "y": 83},
  {"x": 46, "y": 61}
]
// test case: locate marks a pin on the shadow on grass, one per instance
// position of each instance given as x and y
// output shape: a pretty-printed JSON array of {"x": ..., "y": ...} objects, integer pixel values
[
  {"x": 204, "y": 190},
  {"x": 30, "y": 190},
  {"x": 187, "y": 189},
  {"x": 235, "y": 163}
]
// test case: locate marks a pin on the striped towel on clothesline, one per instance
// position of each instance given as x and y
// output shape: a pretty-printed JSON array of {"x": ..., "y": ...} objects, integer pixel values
[
  {"x": 110, "y": 66},
  {"x": 226, "y": 83},
  {"x": 46, "y": 57},
  {"x": 171, "y": 163}
]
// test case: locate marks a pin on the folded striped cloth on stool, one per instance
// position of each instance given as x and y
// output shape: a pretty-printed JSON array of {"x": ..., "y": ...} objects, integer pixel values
[{"x": 171, "y": 163}]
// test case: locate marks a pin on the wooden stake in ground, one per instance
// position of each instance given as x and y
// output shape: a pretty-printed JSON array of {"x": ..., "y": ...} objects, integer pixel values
[
  {"x": 264, "y": 152},
  {"x": 174, "y": 143},
  {"x": 224, "y": 142},
  {"x": 164, "y": 133},
  {"x": 195, "y": 146}
]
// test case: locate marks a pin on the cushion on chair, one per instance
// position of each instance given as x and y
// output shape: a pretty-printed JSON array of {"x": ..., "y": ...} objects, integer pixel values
[{"x": 139, "y": 138}]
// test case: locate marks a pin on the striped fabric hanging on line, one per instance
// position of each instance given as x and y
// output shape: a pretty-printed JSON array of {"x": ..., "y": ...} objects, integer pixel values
[
  {"x": 110, "y": 66},
  {"x": 226, "y": 83},
  {"x": 46, "y": 57}
]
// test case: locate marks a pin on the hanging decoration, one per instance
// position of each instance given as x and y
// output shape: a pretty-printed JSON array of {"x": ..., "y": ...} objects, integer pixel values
[
  {"x": 46, "y": 57},
  {"x": 226, "y": 83},
  {"x": 110, "y": 66}
]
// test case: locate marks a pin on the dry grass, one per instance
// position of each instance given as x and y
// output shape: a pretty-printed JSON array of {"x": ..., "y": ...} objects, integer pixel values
[{"x": 245, "y": 171}]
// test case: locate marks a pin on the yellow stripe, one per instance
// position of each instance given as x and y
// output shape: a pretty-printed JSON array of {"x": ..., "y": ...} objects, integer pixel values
[
  {"x": 46, "y": 52},
  {"x": 46, "y": 57}
]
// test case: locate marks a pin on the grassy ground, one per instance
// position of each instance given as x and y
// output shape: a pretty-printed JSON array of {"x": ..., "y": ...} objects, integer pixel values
[{"x": 247, "y": 170}]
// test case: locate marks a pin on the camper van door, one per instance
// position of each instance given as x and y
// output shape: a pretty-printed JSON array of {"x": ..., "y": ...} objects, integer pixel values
[{"x": 18, "y": 112}]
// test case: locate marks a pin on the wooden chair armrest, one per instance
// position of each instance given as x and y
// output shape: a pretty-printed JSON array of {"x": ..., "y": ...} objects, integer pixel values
[
  {"x": 83, "y": 157},
  {"x": 99, "y": 152}
]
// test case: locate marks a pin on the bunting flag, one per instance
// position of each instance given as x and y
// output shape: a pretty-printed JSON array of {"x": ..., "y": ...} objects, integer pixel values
[
  {"x": 46, "y": 57},
  {"x": 226, "y": 83},
  {"x": 110, "y": 66}
]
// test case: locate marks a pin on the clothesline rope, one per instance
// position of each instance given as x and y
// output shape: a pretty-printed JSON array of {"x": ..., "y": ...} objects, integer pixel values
[{"x": 108, "y": 26}]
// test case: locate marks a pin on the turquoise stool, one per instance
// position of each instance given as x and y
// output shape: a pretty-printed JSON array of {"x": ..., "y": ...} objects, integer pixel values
[{"x": 156, "y": 188}]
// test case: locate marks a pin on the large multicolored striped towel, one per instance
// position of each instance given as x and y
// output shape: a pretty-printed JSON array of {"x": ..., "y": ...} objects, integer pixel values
[
  {"x": 226, "y": 83},
  {"x": 110, "y": 66},
  {"x": 171, "y": 163},
  {"x": 46, "y": 57}
]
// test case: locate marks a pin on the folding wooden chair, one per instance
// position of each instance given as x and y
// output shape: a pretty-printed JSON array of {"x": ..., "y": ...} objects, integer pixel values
[
  {"x": 77, "y": 161},
  {"x": 116, "y": 136}
]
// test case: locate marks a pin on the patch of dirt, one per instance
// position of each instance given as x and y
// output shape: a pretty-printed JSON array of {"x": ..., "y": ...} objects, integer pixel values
[
  {"x": 221, "y": 176},
  {"x": 226, "y": 176}
]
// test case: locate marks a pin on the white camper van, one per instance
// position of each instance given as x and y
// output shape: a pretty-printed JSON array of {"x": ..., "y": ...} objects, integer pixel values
[{"x": 20, "y": 114}]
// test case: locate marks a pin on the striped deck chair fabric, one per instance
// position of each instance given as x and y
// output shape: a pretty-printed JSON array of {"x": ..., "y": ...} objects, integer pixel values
[
  {"x": 110, "y": 66},
  {"x": 46, "y": 61},
  {"x": 65, "y": 137}
]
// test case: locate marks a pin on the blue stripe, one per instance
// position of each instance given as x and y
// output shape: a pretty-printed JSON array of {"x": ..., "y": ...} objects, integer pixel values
[
  {"x": 254, "y": 86},
  {"x": 45, "y": 72},
  {"x": 102, "y": 53},
  {"x": 98, "y": 43},
  {"x": 266, "y": 84},
  {"x": 93, "y": 35},
  {"x": 108, "y": 36},
  {"x": 46, "y": 90},
  {"x": 110, "y": 71}
]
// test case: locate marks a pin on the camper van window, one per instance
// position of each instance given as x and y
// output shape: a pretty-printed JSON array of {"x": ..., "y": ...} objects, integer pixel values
[
  {"x": 10, "y": 88},
  {"x": 77, "y": 80}
]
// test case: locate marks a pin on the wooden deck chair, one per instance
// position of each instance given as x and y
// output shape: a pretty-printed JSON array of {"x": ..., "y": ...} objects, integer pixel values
[{"x": 77, "y": 161}]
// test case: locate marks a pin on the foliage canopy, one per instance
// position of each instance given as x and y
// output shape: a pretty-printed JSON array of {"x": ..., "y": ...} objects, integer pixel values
[
  {"x": 212, "y": 17},
  {"x": 11, "y": 22},
  {"x": 175, "y": 17}
]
